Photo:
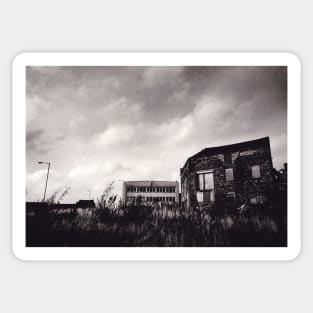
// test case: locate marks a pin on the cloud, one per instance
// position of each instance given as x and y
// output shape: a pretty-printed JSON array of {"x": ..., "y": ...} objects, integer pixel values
[
  {"x": 98, "y": 124},
  {"x": 160, "y": 76},
  {"x": 81, "y": 172},
  {"x": 36, "y": 176},
  {"x": 122, "y": 110},
  {"x": 115, "y": 135}
]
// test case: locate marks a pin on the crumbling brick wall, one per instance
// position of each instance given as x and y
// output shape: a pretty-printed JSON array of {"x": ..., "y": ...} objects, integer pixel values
[{"x": 244, "y": 188}]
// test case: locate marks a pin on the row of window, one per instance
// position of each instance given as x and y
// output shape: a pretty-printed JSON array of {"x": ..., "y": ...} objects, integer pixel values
[
  {"x": 255, "y": 173},
  {"x": 229, "y": 157},
  {"x": 206, "y": 179},
  {"x": 151, "y": 199},
  {"x": 150, "y": 189},
  {"x": 208, "y": 197}
]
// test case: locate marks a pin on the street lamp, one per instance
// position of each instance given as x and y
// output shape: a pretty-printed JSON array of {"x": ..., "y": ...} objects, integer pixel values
[
  {"x": 89, "y": 200},
  {"x": 44, "y": 196}
]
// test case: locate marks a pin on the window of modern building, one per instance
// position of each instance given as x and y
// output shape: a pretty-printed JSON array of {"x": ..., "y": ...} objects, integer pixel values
[
  {"x": 255, "y": 171},
  {"x": 229, "y": 174}
]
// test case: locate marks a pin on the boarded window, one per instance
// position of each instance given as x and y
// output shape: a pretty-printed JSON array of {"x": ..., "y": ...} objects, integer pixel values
[
  {"x": 256, "y": 171},
  {"x": 230, "y": 198},
  {"x": 208, "y": 196},
  {"x": 228, "y": 158},
  {"x": 258, "y": 199},
  {"x": 229, "y": 174}
]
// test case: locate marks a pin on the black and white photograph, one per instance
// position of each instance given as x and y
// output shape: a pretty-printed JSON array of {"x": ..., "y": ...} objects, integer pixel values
[{"x": 156, "y": 156}]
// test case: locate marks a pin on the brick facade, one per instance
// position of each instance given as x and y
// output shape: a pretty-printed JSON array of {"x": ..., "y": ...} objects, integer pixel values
[{"x": 228, "y": 175}]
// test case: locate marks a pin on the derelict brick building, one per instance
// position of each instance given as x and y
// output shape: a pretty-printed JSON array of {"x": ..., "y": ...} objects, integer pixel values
[
  {"x": 228, "y": 175},
  {"x": 150, "y": 191}
]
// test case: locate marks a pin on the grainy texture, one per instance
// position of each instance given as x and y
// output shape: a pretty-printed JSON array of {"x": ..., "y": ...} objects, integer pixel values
[{"x": 244, "y": 187}]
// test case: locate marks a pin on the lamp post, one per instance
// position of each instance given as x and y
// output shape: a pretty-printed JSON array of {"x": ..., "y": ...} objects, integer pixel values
[
  {"x": 44, "y": 196},
  {"x": 89, "y": 192}
]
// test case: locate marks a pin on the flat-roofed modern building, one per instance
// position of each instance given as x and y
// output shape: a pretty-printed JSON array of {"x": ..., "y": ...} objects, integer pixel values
[{"x": 150, "y": 191}]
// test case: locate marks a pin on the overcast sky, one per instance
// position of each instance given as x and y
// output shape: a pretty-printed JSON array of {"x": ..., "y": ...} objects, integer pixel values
[{"x": 102, "y": 124}]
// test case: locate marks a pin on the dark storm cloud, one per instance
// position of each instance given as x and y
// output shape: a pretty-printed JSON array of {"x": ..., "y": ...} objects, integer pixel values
[
  {"x": 40, "y": 142},
  {"x": 32, "y": 137},
  {"x": 88, "y": 120},
  {"x": 163, "y": 92}
]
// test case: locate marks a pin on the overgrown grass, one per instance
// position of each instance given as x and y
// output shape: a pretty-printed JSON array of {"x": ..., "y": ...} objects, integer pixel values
[{"x": 115, "y": 225}]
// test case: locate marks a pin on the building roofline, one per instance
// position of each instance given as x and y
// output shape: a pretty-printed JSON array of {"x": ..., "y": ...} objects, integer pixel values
[
  {"x": 150, "y": 181},
  {"x": 231, "y": 148}
]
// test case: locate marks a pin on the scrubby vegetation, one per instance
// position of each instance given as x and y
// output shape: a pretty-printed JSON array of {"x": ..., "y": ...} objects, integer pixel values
[{"x": 158, "y": 225}]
